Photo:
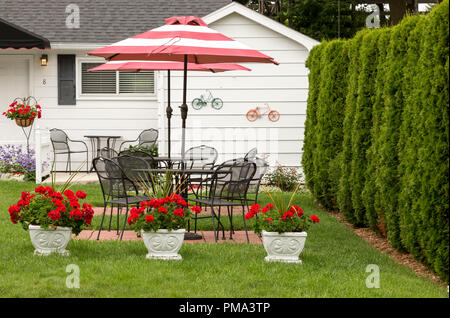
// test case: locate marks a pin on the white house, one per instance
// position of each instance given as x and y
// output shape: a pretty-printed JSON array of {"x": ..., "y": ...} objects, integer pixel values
[{"x": 82, "y": 103}]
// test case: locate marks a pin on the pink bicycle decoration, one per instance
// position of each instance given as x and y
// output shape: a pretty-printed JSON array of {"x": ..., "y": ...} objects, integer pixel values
[{"x": 258, "y": 112}]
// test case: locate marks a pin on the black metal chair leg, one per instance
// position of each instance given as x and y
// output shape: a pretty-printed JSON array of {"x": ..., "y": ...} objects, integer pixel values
[
  {"x": 124, "y": 223},
  {"x": 230, "y": 217},
  {"x": 101, "y": 223},
  {"x": 213, "y": 223},
  {"x": 195, "y": 223},
  {"x": 119, "y": 212},
  {"x": 223, "y": 227},
  {"x": 110, "y": 217},
  {"x": 245, "y": 224}
]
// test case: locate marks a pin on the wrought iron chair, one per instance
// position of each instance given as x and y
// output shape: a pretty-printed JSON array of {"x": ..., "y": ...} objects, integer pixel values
[
  {"x": 144, "y": 155},
  {"x": 108, "y": 153},
  {"x": 116, "y": 188},
  {"x": 251, "y": 154},
  {"x": 200, "y": 157},
  {"x": 228, "y": 187},
  {"x": 261, "y": 169},
  {"x": 60, "y": 143},
  {"x": 146, "y": 138},
  {"x": 137, "y": 170}
]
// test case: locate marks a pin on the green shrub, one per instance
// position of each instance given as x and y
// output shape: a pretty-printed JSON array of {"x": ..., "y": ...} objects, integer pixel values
[
  {"x": 394, "y": 164},
  {"x": 395, "y": 96},
  {"x": 370, "y": 194},
  {"x": 313, "y": 63},
  {"x": 345, "y": 182},
  {"x": 287, "y": 179},
  {"x": 433, "y": 153},
  {"x": 362, "y": 123},
  {"x": 409, "y": 141},
  {"x": 330, "y": 116},
  {"x": 152, "y": 150}
]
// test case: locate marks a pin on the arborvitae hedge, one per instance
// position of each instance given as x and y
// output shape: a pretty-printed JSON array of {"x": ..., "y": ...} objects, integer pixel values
[
  {"x": 371, "y": 193},
  {"x": 362, "y": 123},
  {"x": 329, "y": 119},
  {"x": 392, "y": 153},
  {"x": 309, "y": 139},
  {"x": 344, "y": 194},
  {"x": 409, "y": 142},
  {"x": 433, "y": 165},
  {"x": 395, "y": 96}
]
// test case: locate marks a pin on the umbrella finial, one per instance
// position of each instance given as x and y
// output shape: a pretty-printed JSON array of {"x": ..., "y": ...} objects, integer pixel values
[{"x": 189, "y": 20}]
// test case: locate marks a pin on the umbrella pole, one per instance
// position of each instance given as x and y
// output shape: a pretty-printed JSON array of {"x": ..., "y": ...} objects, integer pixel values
[
  {"x": 184, "y": 110},
  {"x": 169, "y": 111}
]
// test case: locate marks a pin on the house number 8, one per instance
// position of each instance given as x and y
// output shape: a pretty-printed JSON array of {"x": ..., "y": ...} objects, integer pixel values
[{"x": 44, "y": 81}]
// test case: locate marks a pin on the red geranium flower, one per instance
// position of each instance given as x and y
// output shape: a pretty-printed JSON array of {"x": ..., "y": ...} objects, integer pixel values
[
  {"x": 54, "y": 215},
  {"x": 315, "y": 219},
  {"x": 149, "y": 218},
  {"x": 178, "y": 212},
  {"x": 81, "y": 195},
  {"x": 196, "y": 209},
  {"x": 162, "y": 210}
]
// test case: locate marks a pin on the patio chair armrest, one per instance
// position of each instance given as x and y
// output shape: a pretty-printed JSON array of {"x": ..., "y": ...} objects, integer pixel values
[
  {"x": 79, "y": 141},
  {"x": 127, "y": 141}
]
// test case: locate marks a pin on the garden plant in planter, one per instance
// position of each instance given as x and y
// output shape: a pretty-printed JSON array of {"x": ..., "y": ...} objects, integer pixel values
[
  {"x": 161, "y": 223},
  {"x": 283, "y": 228},
  {"x": 51, "y": 217}
]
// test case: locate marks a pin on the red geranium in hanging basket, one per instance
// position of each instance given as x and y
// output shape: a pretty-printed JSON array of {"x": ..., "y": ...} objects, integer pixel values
[{"x": 24, "y": 111}]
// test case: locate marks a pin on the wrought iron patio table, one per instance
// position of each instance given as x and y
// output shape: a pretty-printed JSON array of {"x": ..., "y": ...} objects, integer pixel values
[{"x": 96, "y": 143}]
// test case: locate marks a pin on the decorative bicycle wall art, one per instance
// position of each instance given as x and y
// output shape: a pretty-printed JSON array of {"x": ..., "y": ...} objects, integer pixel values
[
  {"x": 199, "y": 103},
  {"x": 258, "y": 112}
]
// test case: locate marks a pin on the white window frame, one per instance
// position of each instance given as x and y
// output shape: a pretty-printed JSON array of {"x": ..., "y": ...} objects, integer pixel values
[{"x": 117, "y": 95}]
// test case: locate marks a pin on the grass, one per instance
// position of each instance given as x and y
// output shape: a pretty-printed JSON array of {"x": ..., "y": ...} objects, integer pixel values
[{"x": 334, "y": 265}]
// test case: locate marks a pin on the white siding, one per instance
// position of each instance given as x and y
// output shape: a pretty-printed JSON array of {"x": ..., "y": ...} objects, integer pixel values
[
  {"x": 283, "y": 87},
  {"x": 126, "y": 117}
]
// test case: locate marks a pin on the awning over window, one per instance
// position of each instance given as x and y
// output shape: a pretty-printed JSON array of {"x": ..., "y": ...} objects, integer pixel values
[{"x": 13, "y": 36}]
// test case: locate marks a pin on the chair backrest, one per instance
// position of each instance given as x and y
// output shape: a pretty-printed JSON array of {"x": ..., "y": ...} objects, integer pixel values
[
  {"x": 148, "y": 137},
  {"x": 200, "y": 156},
  {"x": 141, "y": 154},
  {"x": 113, "y": 180},
  {"x": 232, "y": 178},
  {"x": 130, "y": 164},
  {"x": 108, "y": 153},
  {"x": 251, "y": 154},
  {"x": 261, "y": 169},
  {"x": 59, "y": 139}
]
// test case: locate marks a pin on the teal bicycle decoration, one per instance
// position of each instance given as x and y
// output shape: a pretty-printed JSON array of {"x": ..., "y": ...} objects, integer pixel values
[{"x": 204, "y": 99}]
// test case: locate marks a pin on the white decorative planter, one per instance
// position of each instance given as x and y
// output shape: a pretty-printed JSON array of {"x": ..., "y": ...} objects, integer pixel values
[
  {"x": 284, "y": 247},
  {"x": 47, "y": 241},
  {"x": 163, "y": 244}
]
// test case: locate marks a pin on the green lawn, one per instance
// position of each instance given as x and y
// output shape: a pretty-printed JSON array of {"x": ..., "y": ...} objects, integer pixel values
[{"x": 334, "y": 265}]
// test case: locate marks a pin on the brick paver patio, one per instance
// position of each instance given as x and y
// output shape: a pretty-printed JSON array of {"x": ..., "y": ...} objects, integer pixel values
[{"x": 208, "y": 236}]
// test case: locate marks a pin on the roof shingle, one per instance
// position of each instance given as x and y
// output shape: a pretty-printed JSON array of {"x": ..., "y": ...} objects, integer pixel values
[{"x": 101, "y": 21}]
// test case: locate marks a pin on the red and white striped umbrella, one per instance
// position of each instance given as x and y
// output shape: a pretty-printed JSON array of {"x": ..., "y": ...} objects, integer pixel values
[
  {"x": 184, "y": 39},
  {"x": 182, "y": 36},
  {"x": 137, "y": 66}
]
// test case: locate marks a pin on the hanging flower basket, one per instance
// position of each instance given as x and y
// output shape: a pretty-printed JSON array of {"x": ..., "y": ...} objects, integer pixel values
[
  {"x": 24, "y": 122},
  {"x": 23, "y": 111}
]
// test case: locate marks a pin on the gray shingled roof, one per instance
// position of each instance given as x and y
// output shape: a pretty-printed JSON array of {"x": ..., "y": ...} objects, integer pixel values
[{"x": 101, "y": 21}]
